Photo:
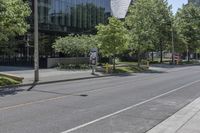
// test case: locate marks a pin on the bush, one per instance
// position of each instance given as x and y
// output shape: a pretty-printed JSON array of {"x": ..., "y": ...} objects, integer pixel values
[
  {"x": 74, "y": 66},
  {"x": 154, "y": 62},
  {"x": 186, "y": 62},
  {"x": 7, "y": 81}
]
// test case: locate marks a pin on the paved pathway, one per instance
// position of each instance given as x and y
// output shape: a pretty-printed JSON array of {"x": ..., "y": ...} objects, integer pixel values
[
  {"x": 48, "y": 75},
  {"x": 52, "y": 75},
  {"x": 187, "y": 120}
]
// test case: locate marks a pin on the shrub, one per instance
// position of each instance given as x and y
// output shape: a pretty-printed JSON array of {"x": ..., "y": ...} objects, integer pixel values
[
  {"x": 7, "y": 81},
  {"x": 74, "y": 66}
]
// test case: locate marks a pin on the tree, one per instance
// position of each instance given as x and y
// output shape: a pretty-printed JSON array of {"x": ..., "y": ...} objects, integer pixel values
[
  {"x": 113, "y": 38},
  {"x": 13, "y": 14},
  {"x": 75, "y": 45},
  {"x": 187, "y": 23},
  {"x": 163, "y": 22},
  {"x": 141, "y": 26},
  {"x": 149, "y": 22}
]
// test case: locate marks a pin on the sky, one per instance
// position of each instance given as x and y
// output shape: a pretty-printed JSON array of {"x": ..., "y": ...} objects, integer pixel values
[{"x": 177, "y": 4}]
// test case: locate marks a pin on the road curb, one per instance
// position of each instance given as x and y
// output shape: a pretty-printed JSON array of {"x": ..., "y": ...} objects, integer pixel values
[
  {"x": 64, "y": 80},
  {"x": 55, "y": 81}
]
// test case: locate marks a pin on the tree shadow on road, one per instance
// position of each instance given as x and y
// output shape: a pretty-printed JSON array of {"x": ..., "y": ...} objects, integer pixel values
[
  {"x": 10, "y": 91},
  {"x": 154, "y": 71},
  {"x": 32, "y": 86}
]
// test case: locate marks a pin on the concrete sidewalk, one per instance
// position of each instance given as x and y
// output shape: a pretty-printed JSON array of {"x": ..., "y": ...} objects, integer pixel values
[
  {"x": 50, "y": 75},
  {"x": 56, "y": 75},
  {"x": 187, "y": 120}
]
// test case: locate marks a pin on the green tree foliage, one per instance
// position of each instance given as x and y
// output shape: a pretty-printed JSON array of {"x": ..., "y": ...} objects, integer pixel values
[
  {"x": 13, "y": 14},
  {"x": 163, "y": 22},
  {"x": 187, "y": 23},
  {"x": 149, "y": 22},
  {"x": 75, "y": 45},
  {"x": 141, "y": 25},
  {"x": 113, "y": 38}
]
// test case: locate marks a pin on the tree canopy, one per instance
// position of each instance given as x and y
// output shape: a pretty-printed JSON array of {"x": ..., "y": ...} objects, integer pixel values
[
  {"x": 187, "y": 23},
  {"x": 149, "y": 22},
  {"x": 13, "y": 14},
  {"x": 141, "y": 26},
  {"x": 113, "y": 38},
  {"x": 75, "y": 44}
]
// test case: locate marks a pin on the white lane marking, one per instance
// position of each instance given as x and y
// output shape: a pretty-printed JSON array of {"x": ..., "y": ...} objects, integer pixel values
[{"x": 128, "y": 108}]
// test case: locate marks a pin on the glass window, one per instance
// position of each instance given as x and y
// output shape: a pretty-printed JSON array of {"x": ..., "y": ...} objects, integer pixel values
[{"x": 76, "y": 15}]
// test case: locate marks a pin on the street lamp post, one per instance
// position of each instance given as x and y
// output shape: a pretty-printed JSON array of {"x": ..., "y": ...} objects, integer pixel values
[
  {"x": 173, "y": 51},
  {"x": 36, "y": 51}
]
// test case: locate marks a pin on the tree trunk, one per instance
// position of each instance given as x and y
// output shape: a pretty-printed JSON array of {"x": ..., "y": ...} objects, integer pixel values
[
  {"x": 114, "y": 64},
  {"x": 152, "y": 56},
  {"x": 139, "y": 56},
  {"x": 161, "y": 52},
  {"x": 173, "y": 61},
  {"x": 76, "y": 62},
  {"x": 188, "y": 55},
  {"x": 139, "y": 60}
]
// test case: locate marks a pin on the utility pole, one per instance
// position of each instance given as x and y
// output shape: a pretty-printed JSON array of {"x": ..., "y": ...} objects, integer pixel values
[
  {"x": 173, "y": 51},
  {"x": 36, "y": 51}
]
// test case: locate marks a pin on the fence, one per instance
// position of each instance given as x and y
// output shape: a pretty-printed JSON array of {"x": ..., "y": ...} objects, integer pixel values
[
  {"x": 22, "y": 61},
  {"x": 52, "y": 62}
]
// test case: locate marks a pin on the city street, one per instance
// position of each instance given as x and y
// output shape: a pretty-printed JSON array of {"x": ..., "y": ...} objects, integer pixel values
[{"x": 117, "y": 104}]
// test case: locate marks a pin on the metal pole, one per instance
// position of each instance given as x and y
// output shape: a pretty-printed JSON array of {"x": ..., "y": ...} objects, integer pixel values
[
  {"x": 36, "y": 52},
  {"x": 173, "y": 51}
]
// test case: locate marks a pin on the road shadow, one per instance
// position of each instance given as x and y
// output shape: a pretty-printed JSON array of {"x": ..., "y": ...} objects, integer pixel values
[
  {"x": 10, "y": 91},
  {"x": 124, "y": 74},
  {"x": 32, "y": 86},
  {"x": 173, "y": 66},
  {"x": 154, "y": 71}
]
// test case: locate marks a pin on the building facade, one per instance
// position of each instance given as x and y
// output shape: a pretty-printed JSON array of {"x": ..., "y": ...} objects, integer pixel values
[
  {"x": 71, "y": 16},
  {"x": 194, "y": 1},
  {"x": 60, "y": 18},
  {"x": 77, "y": 16},
  {"x": 119, "y": 8}
]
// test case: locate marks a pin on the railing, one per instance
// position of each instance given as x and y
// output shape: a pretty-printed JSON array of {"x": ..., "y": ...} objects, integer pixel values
[{"x": 22, "y": 61}]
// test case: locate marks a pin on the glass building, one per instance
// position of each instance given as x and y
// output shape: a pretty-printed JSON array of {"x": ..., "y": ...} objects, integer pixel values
[
  {"x": 60, "y": 18},
  {"x": 195, "y": 1},
  {"x": 71, "y": 16}
]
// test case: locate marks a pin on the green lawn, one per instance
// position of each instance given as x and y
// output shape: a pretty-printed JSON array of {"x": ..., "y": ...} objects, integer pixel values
[
  {"x": 130, "y": 69},
  {"x": 127, "y": 63},
  {"x": 7, "y": 81}
]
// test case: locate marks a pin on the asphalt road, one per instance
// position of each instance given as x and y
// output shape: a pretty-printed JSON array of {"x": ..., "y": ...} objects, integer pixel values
[{"x": 120, "y": 104}]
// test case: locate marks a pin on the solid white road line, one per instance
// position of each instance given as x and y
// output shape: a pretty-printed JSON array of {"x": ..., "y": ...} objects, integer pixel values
[{"x": 128, "y": 108}]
